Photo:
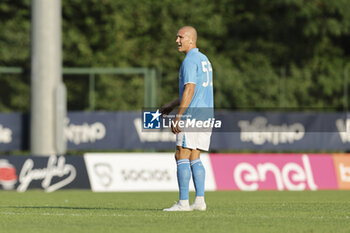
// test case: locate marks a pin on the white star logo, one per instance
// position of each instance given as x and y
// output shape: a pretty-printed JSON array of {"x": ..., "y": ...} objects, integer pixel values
[{"x": 155, "y": 115}]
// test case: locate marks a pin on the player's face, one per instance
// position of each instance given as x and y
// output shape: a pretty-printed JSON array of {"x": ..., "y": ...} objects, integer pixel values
[{"x": 183, "y": 41}]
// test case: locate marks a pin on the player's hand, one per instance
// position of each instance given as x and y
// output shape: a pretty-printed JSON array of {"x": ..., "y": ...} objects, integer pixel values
[{"x": 175, "y": 125}]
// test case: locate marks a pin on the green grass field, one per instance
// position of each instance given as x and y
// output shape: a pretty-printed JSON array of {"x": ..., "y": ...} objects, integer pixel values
[{"x": 263, "y": 211}]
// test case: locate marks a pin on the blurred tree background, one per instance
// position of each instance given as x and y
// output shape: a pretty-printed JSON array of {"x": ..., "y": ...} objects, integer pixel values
[{"x": 281, "y": 53}]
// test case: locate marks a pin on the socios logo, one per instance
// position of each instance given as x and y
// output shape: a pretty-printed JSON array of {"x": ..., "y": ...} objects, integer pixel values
[
  {"x": 145, "y": 175},
  {"x": 151, "y": 120}
]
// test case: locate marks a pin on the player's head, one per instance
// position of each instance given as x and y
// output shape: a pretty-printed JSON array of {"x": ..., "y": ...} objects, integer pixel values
[{"x": 186, "y": 39}]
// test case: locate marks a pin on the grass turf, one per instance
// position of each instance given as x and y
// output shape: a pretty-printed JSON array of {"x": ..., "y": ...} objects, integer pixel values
[{"x": 230, "y": 211}]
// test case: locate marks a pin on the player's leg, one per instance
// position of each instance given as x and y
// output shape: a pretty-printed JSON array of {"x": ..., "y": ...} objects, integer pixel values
[
  {"x": 183, "y": 171},
  {"x": 198, "y": 174},
  {"x": 182, "y": 156}
]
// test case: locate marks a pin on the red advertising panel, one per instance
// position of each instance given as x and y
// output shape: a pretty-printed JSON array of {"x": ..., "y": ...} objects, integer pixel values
[{"x": 252, "y": 172}]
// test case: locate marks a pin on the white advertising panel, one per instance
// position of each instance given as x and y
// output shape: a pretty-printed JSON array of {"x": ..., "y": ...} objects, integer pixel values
[{"x": 110, "y": 172}]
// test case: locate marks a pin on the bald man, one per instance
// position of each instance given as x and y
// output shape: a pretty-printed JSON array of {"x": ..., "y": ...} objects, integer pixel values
[{"x": 196, "y": 94}]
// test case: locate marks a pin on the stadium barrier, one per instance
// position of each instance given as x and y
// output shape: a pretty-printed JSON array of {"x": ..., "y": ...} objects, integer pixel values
[
  {"x": 137, "y": 172},
  {"x": 295, "y": 172},
  {"x": 242, "y": 130},
  {"x": 48, "y": 173},
  {"x": 246, "y": 172},
  {"x": 121, "y": 172}
]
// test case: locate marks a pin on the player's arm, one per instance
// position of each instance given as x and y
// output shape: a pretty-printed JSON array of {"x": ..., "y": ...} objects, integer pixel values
[{"x": 185, "y": 102}]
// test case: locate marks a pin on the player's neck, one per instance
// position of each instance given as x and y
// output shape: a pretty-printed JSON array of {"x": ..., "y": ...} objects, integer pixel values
[{"x": 192, "y": 47}]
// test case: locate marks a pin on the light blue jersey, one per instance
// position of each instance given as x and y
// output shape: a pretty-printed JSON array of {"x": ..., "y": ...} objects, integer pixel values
[{"x": 197, "y": 69}]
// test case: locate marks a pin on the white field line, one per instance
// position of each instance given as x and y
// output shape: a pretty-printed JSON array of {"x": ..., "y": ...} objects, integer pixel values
[
  {"x": 165, "y": 215},
  {"x": 76, "y": 215}
]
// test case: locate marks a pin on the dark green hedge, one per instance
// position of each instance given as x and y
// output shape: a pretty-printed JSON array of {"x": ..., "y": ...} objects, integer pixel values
[{"x": 280, "y": 53}]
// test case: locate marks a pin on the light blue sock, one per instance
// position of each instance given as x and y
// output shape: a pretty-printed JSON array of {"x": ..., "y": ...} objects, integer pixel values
[
  {"x": 183, "y": 177},
  {"x": 198, "y": 173}
]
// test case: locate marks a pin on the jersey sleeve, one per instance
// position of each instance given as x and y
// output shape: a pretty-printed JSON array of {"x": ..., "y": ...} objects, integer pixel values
[{"x": 189, "y": 72}]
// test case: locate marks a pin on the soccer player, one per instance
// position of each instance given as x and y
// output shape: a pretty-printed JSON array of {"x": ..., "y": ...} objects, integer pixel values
[{"x": 195, "y": 92}]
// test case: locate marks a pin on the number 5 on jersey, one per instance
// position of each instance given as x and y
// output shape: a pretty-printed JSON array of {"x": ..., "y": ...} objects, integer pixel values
[{"x": 206, "y": 67}]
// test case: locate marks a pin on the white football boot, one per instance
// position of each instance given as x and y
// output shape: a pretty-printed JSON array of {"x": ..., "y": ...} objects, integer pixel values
[
  {"x": 181, "y": 205},
  {"x": 199, "y": 204}
]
